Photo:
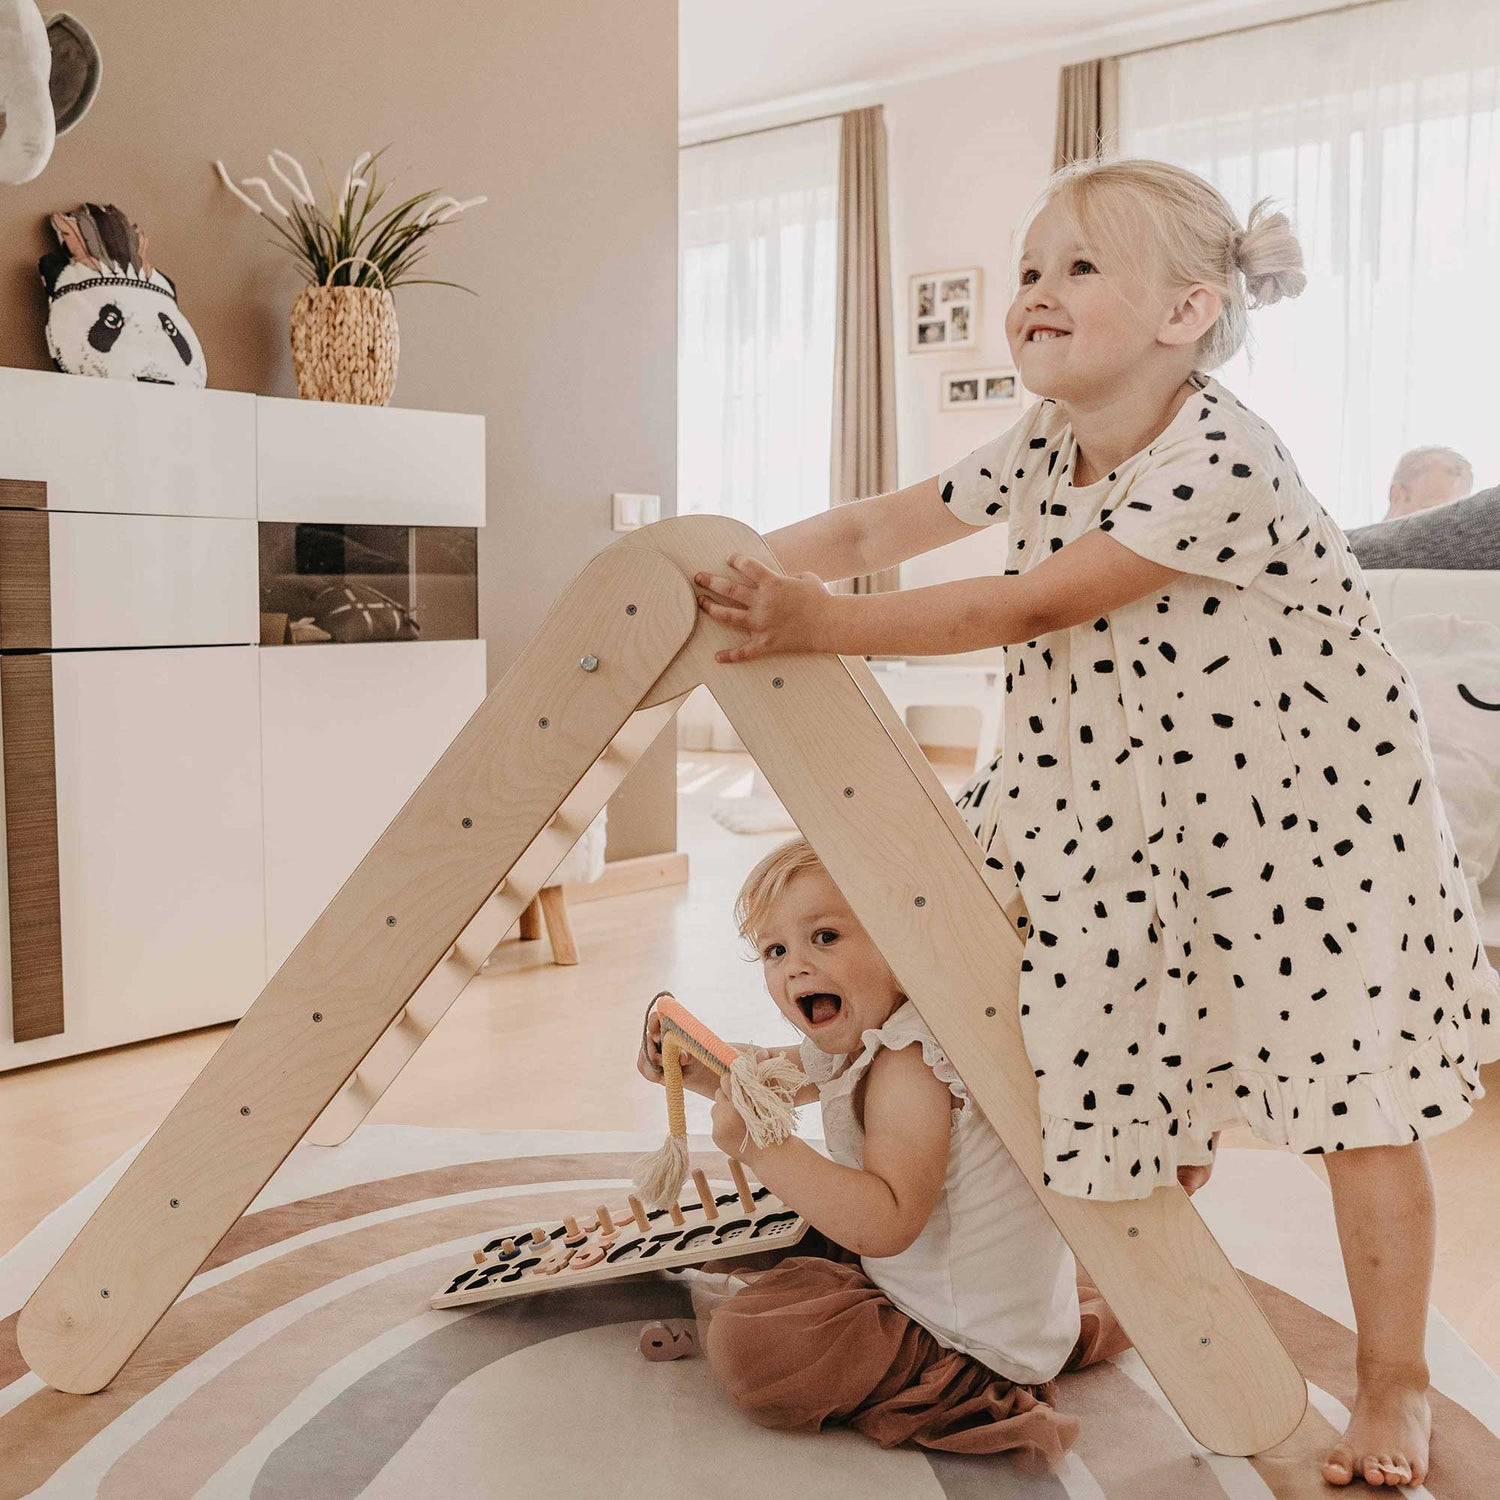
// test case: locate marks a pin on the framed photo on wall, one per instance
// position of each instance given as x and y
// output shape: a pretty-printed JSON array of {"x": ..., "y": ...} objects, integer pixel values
[
  {"x": 961, "y": 389},
  {"x": 943, "y": 310}
]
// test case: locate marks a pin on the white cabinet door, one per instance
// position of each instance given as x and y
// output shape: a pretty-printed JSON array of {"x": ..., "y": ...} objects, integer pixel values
[
  {"x": 348, "y": 734},
  {"x": 381, "y": 465},
  {"x": 160, "y": 867},
  {"x": 153, "y": 581},
  {"x": 124, "y": 445}
]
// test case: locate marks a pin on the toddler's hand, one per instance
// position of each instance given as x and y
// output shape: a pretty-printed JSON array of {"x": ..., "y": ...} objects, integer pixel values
[
  {"x": 696, "y": 1078},
  {"x": 779, "y": 614},
  {"x": 648, "y": 1059},
  {"x": 729, "y": 1132}
]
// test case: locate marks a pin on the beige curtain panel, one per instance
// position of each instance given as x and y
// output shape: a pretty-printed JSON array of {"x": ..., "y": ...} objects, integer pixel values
[
  {"x": 1088, "y": 111},
  {"x": 864, "y": 379}
]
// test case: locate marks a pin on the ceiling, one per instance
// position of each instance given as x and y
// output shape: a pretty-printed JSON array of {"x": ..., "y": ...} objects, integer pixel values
[{"x": 737, "y": 58}]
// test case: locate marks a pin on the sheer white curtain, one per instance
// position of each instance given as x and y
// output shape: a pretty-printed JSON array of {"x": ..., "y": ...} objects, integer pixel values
[
  {"x": 757, "y": 286},
  {"x": 757, "y": 282},
  {"x": 1378, "y": 128}
]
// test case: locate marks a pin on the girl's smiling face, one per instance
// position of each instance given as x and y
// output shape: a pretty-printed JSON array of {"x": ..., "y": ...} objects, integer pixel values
[
  {"x": 1078, "y": 333},
  {"x": 825, "y": 975}
]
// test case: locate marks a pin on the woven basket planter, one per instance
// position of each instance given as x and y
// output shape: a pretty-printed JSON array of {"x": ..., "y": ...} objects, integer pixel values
[{"x": 345, "y": 344}]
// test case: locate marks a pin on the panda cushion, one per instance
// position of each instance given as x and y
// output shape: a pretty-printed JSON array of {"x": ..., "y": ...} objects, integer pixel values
[{"x": 110, "y": 311}]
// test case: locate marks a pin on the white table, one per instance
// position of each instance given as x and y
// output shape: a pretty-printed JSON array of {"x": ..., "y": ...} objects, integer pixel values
[{"x": 911, "y": 685}]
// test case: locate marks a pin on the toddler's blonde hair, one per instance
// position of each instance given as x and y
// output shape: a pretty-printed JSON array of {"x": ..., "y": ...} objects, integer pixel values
[
  {"x": 765, "y": 883},
  {"x": 1167, "y": 224}
]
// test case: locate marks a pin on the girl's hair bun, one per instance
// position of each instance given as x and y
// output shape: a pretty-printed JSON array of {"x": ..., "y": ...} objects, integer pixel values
[{"x": 1268, "y": 256}]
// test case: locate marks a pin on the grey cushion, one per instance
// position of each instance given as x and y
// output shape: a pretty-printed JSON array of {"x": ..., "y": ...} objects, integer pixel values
[{"x": 1461, "y": 534}]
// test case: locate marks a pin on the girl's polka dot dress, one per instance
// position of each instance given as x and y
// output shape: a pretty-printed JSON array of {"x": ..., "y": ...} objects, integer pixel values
[{"x": 1243, "y": 897}]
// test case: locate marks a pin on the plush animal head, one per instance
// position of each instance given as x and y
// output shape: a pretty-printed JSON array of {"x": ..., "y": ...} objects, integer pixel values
[{"x": 110, "y": 312}]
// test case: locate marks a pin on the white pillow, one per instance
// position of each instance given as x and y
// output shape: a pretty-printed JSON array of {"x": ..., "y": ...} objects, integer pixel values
[{"x": 1454, "y": 664}]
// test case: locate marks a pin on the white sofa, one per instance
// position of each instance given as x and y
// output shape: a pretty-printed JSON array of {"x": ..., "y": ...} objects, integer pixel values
[{"x": 1402, "y": 592}]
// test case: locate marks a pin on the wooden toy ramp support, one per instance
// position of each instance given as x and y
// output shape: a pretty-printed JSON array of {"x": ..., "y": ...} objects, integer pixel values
[
  {"x": 399, "y": 1042},
  {"x": 627, "y": 635}
]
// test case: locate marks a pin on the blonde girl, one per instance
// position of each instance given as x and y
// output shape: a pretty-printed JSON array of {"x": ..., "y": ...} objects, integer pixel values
[
  {"x": 1217, "y": 794},
  {"x": 944, "y": 1302}
]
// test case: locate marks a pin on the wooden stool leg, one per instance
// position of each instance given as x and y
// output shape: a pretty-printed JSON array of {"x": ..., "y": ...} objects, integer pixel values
[
  {"x": 531, "y": 921},
  {"x": 559, "y": 928}
]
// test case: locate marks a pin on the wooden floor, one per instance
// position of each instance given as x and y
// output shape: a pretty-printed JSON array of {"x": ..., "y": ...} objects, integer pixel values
[{"x": 533, "y": 1046}]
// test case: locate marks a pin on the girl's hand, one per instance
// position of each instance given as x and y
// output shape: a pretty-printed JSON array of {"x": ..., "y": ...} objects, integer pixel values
[
  {"x": 779, "y": 614},
  {"x": 729, "y": 1132}
]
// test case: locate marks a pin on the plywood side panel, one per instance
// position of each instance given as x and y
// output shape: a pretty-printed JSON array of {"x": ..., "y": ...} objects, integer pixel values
[{"x": 36, "y": 969}]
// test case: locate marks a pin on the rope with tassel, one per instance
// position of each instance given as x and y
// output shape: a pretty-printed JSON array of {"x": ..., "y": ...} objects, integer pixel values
[{"x": 762, "y": 1088}]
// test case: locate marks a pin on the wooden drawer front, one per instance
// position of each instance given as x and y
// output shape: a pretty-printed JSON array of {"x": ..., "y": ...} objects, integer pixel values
[
  {"x": 324, "y": 461},
  {"x": 120, "y": 445},
  {"x": 160, "y": 872},
  {"x": 71, "y": 581},
  {"x": 348, "y": 734}
]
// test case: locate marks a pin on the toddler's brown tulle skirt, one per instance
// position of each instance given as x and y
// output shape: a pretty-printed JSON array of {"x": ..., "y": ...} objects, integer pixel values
[{"x": 814, "y": 1342}]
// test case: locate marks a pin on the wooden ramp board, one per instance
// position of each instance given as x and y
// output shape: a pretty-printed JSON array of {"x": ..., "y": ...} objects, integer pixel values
[
  {"x": 860, "y": 790},
  {"x": 400, "y": 1041},
  {"x": 546, "y": 1258},
  {"x": 489, "y": 796}
]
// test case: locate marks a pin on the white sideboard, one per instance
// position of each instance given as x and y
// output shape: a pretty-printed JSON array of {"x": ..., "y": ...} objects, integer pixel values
[{"x": 181, "y": 801}]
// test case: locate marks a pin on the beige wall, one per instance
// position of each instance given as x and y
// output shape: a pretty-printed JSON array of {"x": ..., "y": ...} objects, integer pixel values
[{"x": 565, "y": 115}]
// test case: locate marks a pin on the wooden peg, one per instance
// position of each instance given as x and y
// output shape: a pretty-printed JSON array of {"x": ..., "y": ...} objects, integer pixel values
[
  {"x": 705, "y": 1194},
  {"x": 538, "y": 1236},
  {"x": 639, "y": 1210},
  {"x": 508, "y": 1250},
  {"x": 676, "y": 1212},
  {"x": 606, "y": 1224},
  {"x": 742, "y": 1186},
  {"x": 572, "y": 1234},
  {"x": 479, "y": 1257}
]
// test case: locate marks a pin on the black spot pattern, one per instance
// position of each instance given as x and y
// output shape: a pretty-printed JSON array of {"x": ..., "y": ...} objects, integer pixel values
[{"x": 1220, "y": 797}]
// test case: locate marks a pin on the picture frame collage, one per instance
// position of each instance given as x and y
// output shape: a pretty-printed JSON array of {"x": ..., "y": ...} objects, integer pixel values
[{"x": 943, "y": 313}]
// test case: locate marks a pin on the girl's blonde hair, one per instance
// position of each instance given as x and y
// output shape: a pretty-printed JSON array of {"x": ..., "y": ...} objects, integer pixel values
[
  {"x": 765, "y": 883},
  {"x": 1167, "y": 224}
]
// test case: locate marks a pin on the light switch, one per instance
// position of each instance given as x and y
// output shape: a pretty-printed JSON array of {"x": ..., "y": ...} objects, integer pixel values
[{"x": 631, "y": 511}]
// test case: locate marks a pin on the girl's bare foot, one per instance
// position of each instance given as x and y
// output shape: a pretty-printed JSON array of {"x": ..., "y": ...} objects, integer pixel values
[{"x": 1387, "y": 1437}]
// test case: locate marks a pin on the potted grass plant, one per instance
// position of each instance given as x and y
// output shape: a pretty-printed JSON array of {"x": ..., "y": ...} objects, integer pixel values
[{"x": 354, "y": 253}]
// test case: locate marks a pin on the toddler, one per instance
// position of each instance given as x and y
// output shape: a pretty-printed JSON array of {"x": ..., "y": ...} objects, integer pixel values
[
  {"x": 1217, "y": 797},
  {"x": 949, "y": 1302}
]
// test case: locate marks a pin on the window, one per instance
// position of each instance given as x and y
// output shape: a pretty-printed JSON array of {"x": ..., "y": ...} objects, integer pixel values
[
  {"x": 757, "y": 284},
  {"x": 1378, "y": 129}
]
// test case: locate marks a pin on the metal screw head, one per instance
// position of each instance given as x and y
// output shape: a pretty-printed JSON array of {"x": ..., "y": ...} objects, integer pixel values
[
  {"x": 920, "y": 901},
  {"x": 778, "y": 682},
  {"x": 1203, "y": 1341},
  {"x": 317, "y": 1015},
  {"x": 630, "y": 609},
  {"x": 848, "y": 791},
  {"x": 172, "y": 1204},
  {"x": 104, "y": 1291},
  {"x": 244, "y": 1109},
  {"x": 390, "y": 921},
  {"x": 468, "y": 822},
  {"x": 589, "y": 663},
  {"x": 1132, "y": 1231},
  {"x": 543, "y": 723},
  {"x": 989, "y": 1010}
]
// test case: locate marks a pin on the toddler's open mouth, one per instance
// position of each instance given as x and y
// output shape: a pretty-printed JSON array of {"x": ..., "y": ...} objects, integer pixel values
[{"x": 820, "y": 1008}]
